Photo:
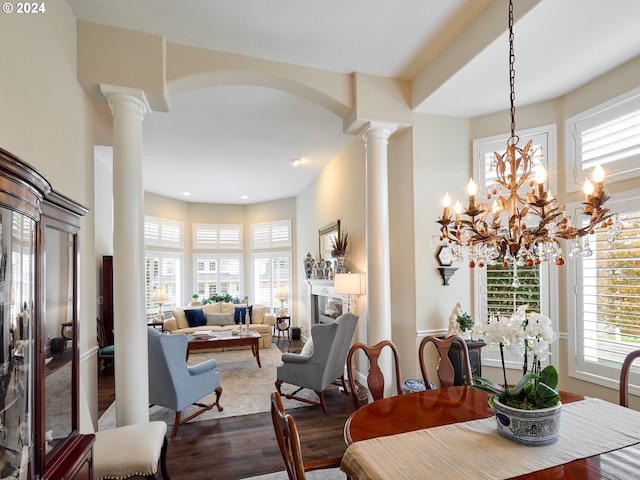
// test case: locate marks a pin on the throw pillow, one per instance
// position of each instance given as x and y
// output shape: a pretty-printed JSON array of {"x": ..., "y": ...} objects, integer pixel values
[
  {"x": 195, "y": 317},
  {"x": 257, "y": 313},
  {"x": 220, "y": 319},
  {"x": 241, "y": 312},
  {"x": 307, "y": 350},
  {"x": 181, "y": 318}
]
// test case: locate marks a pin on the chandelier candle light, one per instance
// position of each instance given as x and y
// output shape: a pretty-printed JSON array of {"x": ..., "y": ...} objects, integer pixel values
[{"x": 521, "y": 228}]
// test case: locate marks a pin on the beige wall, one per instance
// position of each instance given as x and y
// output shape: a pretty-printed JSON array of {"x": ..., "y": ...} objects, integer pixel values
[
  {"x": 189, "y": 213},
  {"x": 47, "y": 121},
  {"x": 337, "y": 193}
]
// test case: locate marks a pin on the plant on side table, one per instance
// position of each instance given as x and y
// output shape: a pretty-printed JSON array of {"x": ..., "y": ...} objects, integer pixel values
[
  {"x": 221, "y": 297},
  {"x": 529, "y": 412}
]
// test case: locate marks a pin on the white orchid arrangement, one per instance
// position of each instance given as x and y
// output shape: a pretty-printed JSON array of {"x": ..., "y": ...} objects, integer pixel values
[{"x": 528, "y": 336}]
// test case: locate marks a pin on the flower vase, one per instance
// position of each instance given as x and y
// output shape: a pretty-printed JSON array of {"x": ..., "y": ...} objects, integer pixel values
[
  {"x": 529, "y": 427},
  {"x": 341, "y": 264}
]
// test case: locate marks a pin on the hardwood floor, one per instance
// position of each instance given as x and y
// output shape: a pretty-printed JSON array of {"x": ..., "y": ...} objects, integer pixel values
[{"x": 239, "y": 447}]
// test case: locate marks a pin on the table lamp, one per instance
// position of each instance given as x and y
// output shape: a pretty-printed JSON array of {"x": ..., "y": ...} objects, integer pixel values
[
  {"x": 350, "y": 285},
  {"x": 282, "y": 292},
  {"x": 160, "y": 296}
]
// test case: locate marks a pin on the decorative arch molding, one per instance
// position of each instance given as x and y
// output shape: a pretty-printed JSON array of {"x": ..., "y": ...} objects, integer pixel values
[{"x": 200, "y": 68}]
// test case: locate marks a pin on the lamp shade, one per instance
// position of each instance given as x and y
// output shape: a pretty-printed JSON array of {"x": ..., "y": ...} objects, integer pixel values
[
  {"x": 349, "y": 284},
  {"x": 160, "y": 295},
  {"x": 282, "y": 291}
]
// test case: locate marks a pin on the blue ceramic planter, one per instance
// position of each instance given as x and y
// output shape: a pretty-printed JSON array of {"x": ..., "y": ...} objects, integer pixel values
[{"x": 529, "y": 427}]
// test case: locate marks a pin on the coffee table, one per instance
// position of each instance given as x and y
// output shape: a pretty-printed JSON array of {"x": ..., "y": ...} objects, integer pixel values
[{"x": 226, "y": 339}]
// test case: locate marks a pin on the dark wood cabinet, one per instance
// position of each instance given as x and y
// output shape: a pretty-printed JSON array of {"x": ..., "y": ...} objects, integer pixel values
[
  {"x": 107, "y": 298},
  {"x": 475, "y": 358},
  {"x": 39, "y": 394}
]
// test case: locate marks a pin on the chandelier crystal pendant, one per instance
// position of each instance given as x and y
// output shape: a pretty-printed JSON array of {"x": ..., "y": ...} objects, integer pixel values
[{"x": 522, "y": 229}]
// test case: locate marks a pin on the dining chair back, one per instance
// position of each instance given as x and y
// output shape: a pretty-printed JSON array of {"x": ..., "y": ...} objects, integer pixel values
[
  {"x": 375, "y": 376},
  {"x": 291, "y": 450},
  {"x": 445, "y": 368},
  {"x": 624, "y": 377}
]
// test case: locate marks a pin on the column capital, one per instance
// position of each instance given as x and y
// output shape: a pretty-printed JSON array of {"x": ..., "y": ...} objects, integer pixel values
[
  {"x": 378, "y": 131},
  {"x": 129, "y": 98}
]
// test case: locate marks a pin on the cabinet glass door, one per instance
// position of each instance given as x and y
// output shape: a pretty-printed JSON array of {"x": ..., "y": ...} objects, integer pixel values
[{"x": 17, "y": 263}]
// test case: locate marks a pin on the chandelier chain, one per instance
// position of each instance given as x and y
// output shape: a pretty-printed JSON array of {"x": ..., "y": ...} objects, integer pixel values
[{"x": 512, "y": 77}]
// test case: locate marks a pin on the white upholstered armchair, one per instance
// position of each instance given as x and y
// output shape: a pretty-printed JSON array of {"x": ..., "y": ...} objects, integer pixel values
[{"x": 331, "y": 342}]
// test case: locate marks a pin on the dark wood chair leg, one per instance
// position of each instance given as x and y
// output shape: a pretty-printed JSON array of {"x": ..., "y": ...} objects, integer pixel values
[
  {"x": 176, "y": 425},
  {"x": 218, "y": 395},
  {"x": 322, "y": 402}
]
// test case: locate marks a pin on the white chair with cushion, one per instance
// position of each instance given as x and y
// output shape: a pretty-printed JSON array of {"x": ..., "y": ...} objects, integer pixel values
[{"x": 130, "y": 451}]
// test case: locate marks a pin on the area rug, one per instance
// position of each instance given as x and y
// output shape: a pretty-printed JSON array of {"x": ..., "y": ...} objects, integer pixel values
[
  {"x": 328, "y": 474},
  {"x": 246, "y": 388}
]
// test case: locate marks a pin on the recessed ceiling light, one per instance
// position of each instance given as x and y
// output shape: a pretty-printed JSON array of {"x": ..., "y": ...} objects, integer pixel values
[
  {"x": 244, "y": 197},
  {"x": 296, "y": 161},
  {"x": 186, "y": 194}
]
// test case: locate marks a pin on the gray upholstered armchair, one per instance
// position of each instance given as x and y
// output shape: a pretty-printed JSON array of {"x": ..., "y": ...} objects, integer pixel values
[
  {"x": 174, "y": 384},
  {"x": 331, "y": 343}
]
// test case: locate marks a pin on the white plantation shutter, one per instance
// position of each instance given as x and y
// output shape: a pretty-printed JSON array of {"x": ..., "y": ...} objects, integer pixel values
[
  {"x": 163, "y": 269},
  {"x": 270, "y": 270},
  {"x": 607, "y": 300},
  {"x": 606, "y": 135},
  {"x": 209, "y": 236},
  {"x": 160, "y": 232},
  {"x": 271, "y": 235}
]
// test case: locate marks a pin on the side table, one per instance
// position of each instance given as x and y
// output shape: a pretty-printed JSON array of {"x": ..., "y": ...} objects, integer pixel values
[
  {"x": 156, "y": 325},
  {"x": 282, "y": 327}
]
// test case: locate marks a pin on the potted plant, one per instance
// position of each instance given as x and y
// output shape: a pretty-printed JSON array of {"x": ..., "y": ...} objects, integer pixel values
[
  {"x": 465, "y": 324},
  {"x": 339, "y": 245},
  {"x": 221, "y": 297},
  {"x": 529, "y": 412}
]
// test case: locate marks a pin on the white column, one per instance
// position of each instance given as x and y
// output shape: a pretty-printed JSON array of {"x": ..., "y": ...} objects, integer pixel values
[
  {"x": 128, "y": 107},
  {"x": 376, "y": 139}
]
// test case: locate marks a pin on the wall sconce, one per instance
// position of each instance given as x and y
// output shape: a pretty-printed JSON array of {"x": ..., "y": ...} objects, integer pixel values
[
  {"x": 349, "y": 285},
  {"x": 445, "y": 259},
  {"x": 160, "y": 296},
  {"x": 282, "y": 292}
]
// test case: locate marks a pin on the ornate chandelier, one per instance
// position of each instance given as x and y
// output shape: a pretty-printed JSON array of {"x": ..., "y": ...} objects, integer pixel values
[{"x": 523, "y": 225}]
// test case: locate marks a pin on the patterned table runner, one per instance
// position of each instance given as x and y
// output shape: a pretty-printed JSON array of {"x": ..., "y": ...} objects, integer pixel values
[{"x": 475, "y": 449}]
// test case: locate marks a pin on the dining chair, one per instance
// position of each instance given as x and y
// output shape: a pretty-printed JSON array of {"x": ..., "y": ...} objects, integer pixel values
[
  {"x": 445, "y": 369},
  {"x": 375, "y": 377},
  {"x": 624, "y": 377},
  {"x": 106, "y": 351},
  {"x": 290, "y": 448}
]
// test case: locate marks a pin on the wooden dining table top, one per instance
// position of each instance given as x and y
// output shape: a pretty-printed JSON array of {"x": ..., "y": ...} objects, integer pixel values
[{"x": 433, "y": 408}]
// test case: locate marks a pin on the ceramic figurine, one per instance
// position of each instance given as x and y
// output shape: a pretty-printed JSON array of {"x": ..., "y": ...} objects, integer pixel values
[{"x": 454, "y": 328}]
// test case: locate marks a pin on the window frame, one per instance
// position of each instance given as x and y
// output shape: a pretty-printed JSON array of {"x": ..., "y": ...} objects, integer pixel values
[
  {"x": 217, "y": 256},
  {"x": 547, "y": 136},
  {"x": 218, "y": 228},
  {"x": 163, "y": 224},
  {"x": 274, "y": 305},
  {"x": 270, "y": 227},
  {"x": 607, "y": 376},
  {"x": 149, "y": 287},
  {"x": 612, "y": 109}
]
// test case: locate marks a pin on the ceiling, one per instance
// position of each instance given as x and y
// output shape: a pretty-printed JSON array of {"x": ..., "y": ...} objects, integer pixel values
[{"x": 223, "y": 142}]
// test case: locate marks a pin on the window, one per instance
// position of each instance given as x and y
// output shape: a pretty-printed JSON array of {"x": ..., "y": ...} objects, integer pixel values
[
  {"x": 218, "y": 274},
  {"x": 605, "y": 313},
  {"x": 271, "y": 235},
  {"x": 209, "y": 236},
  {"x": 163, "y": 269},
  {"x": 270, "y": 270},
  {"x": 496, "y": 292},
  {"x": 160, "y": 232},
  {"x": 609, "y": 135}
]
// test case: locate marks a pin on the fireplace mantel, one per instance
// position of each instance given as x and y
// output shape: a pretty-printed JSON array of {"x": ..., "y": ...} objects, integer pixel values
[{"x": 323, "y": 288}]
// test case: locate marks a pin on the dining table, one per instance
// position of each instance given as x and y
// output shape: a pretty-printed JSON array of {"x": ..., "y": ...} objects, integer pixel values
[{"x": 450, "y": 433}]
